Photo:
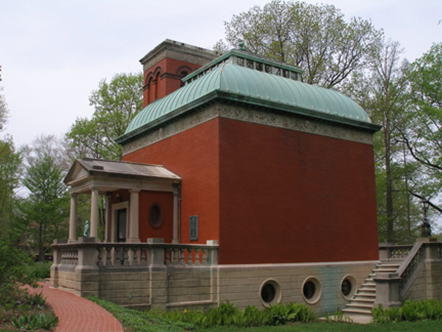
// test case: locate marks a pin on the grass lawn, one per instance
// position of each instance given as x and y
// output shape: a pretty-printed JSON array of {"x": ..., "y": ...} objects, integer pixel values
[{"x": 424, "y": 326}]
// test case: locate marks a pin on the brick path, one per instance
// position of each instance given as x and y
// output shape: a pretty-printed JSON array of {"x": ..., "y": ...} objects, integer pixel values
[{"x": 76, "y": 314}]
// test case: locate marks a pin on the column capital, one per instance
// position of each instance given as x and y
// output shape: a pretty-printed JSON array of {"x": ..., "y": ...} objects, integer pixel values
[
  {"x": 134, "y": 190},
  {"x": 176, "y": 188}
]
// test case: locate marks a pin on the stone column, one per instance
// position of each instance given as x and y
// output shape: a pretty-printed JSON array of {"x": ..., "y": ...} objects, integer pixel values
[
  {"x": 134, "y": 236},
  {"x": 107, "y": 219},
  {"x": 175, "y": 215},
  {"x": 72, "y": 218},
  {"x": 94, "y": 213}
]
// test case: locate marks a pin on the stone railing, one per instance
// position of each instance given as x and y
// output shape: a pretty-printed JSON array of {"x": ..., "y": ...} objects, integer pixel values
[
  {"x": 409, "y": 268},
  {"x": 87, "y": 252},
  {"x": 393, "y": 288},
  {"x": 389, "y": 252}
]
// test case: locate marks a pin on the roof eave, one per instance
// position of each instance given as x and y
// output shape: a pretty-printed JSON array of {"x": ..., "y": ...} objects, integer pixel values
[{"x": 243, "y": 99}]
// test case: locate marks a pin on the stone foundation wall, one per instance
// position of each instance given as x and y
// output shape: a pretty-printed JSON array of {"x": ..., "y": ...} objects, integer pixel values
[
  {"x": 206, "y": 286},
  {"x": 242, "y": 285},
  {"x": 129, "y": 288},
  {"x": 190, "y": 284}
]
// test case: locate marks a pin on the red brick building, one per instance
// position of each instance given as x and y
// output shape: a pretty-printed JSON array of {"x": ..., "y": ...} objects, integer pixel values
[
  {"x": 269, "y": 193},
  {"x": 236, "y": 152}
]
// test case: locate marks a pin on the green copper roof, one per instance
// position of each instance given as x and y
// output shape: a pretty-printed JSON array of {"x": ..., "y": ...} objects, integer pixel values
[{"x": 244, "y": 85}]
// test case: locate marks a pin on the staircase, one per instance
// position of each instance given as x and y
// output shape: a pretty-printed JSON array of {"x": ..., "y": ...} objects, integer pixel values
[{"x": 359, "y": 308}]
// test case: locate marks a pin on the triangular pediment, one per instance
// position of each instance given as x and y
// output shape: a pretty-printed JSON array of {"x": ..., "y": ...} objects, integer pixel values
[{"x": 109, "y": 175}]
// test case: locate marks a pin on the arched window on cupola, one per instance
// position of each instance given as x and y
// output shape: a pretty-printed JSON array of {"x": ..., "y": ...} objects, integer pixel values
[
  {"x": 150, "y": 89},
  {"x": 157, "y": 85},
  {"x": 182, "y": 72},
  {"x": 182, "y": 75}
]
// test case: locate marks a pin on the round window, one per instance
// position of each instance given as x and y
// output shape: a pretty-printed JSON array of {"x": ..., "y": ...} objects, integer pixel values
[
  {"x": 348, "y": 286},
  {"x": 311, "y": 290},
  {"x": 270, "y": 292},
  {"x": 155, "y": 216}
]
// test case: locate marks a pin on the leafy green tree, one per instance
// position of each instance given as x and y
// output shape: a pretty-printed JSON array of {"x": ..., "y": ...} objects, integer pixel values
[
  {"x": 422, "y": 133},
  {"x": 116, "y": 103},
  {"x": 12, "y": 261},
  {"x": 3, "y": 111},
  {"x": 383, "y": 91},
  {"x": 388, "y": 101},
  {"x": 10, "y": 169},
  {"x": 313, "y": 37},
  {"x": 42, "y": 216}
]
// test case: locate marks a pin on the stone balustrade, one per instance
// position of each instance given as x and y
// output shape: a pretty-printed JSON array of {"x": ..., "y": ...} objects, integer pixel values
[
  {"x": 392, "y": 289},
  {"x": 155, "y": 251},
  {"x": 389, "y": 252}
]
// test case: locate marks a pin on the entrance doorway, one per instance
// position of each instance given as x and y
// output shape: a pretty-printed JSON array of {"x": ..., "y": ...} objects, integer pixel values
[{"x": 121, "y": 225}]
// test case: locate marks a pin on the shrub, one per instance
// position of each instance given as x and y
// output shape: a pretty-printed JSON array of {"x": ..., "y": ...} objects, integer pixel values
[
  {"x": 12, "y": 262},
  {"x": 38, "y": 270},
  {"x": 35, "y": 321},
  {"x": 410, "y": 311},
  {"x": 280, "y": 314}
]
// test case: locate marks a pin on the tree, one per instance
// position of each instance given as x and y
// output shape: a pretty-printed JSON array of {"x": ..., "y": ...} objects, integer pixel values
[
  {"x": 10, "y": 168},
  {"x": 43, "y": 214},
  {"x": 313, "y": 37},
  {"x": 116, "y": 103},
  {"x": 3, "y": 111},
  {"x": 388, "y": 102},
  {"x": 383, "y": 90},
  {"x": 422, "y": 133}
]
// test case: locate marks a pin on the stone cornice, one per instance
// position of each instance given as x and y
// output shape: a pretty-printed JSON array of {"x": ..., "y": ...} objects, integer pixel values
[
  {"x": 178, "y": 51},
  {"x": 263, "y": 117}
]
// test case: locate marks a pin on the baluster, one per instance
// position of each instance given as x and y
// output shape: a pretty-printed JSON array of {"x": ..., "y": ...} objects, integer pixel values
[
  {"x": 182, "y": 261},
  {"x": 118, "y": 258},
  {"x": 197, "y": 257},
  {"x": 135, "y": 259},
  {"x": 126, "y": 256},
  {"x": 205, "y": 255},
  {"x": 143, "y": 257},
  {"x": 100, "y": 256},
  {"x": 108, "y": 256},
  {"x": 175, "y": 256},
  {"x": 190, "y": 256}
]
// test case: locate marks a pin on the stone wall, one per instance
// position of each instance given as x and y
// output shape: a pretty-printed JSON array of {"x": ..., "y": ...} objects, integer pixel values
[
  {"x": 428, "y": 284},
  {"x": 176, "y": 283},
  {"x": 242, "y": 284}
]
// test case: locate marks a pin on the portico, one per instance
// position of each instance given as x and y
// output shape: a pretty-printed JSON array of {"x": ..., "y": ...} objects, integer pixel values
[{"x": 113, "y": 180}]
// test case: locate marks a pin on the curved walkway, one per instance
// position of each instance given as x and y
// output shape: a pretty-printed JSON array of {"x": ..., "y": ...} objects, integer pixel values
[{"x": 76, "y": 314}]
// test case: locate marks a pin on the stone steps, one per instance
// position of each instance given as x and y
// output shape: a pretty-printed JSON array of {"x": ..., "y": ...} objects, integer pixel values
[{"x": 359, "y": 308}]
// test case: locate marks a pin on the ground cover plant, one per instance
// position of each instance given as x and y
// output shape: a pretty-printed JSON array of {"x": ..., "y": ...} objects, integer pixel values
[
  {"x": 18, "y": 308},
  {"x": 279, "y": 318},
  {"x": 226, "y": 315},
  {"x": 421, "y": 326},
  {"x": 28, "y": 312}
]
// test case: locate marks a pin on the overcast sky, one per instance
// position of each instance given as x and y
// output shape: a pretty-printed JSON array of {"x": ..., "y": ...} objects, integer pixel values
[{"x": 53, "y": 53}]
